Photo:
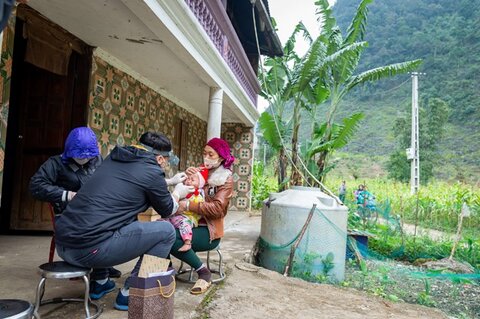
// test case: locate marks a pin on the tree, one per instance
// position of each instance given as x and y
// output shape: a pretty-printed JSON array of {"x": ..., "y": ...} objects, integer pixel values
[
  {"x": 325, "y": 74},
  {"x": 341, "y": 62},
  {"x": 432, "y": 120},
  {"x": 278, "y": 87}
]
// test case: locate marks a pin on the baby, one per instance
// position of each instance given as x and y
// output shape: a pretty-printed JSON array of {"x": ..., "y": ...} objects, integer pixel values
[{"x": 187, "y": 220}]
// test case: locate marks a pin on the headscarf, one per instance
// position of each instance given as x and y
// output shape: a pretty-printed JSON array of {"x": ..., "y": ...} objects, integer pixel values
[{"x": 223, "y": 150}]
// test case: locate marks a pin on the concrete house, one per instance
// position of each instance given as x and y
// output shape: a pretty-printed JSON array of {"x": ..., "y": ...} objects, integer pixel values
[{"x": 186, "y": 68}]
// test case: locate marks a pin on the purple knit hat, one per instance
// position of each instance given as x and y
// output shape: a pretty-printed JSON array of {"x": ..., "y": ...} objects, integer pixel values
[{"x": 221, "y": 147}]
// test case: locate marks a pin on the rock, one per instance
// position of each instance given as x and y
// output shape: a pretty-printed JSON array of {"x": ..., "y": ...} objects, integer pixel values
[
  {"x": 247, "y": 267},
  {"x": 450, "y": 265},
  {"x": 420, "y": 261}
]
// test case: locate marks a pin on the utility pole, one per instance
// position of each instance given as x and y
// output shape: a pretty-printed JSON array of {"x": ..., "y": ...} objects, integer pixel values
[{"x": 413, "y": 151}]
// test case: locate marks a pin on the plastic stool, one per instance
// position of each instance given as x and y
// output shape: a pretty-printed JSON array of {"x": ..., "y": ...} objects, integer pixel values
[
  {"x": 218, "y": 271},
  {"x": 15, "y": 309},
  {"x": 63, "y": 270}
]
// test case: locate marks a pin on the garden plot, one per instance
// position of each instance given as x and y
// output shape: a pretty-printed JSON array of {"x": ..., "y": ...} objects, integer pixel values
[{"x": 403, "y": 282}]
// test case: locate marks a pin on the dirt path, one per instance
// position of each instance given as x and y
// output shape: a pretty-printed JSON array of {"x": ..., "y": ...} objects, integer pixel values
[
  {"x": 421, "y": 231},
  {"x": 266, "y": 294},
  {"x": 432, "y": 233}
]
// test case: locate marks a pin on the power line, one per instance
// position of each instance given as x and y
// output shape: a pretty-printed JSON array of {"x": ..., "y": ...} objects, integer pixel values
[{"x": 391, "y": 89}]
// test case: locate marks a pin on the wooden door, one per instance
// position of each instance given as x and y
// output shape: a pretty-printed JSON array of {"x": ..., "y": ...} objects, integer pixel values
[
  {"x": 179, "y": 142},
  {"x": 47, "y": 106}
]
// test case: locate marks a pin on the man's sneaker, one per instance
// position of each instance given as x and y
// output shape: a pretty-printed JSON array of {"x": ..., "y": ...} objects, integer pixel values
[
  {"x": 114, "y": 273},
  {"x": 121, "y": 303},
  {"x": 97, "y": 290}
]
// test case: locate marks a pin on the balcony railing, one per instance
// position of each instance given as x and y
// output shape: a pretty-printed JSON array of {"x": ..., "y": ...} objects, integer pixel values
[{"x": 212, "y": 16}]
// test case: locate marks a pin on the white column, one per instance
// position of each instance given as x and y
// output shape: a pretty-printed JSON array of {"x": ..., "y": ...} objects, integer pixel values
[{"x": 214, "y": 113}]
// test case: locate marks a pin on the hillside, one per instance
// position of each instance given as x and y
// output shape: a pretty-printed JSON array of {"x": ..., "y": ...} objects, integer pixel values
[{"x": 444, "y": 34}]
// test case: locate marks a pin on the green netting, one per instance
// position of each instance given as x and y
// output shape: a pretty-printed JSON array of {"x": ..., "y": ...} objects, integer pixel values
[
  {"x": 317, "y": 255},
  {"x": 265, "y": 244},
  {"x": 380, "y": 256}
]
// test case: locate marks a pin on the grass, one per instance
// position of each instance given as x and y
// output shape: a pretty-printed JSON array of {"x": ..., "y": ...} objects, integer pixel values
[
  {"x": 202, "y": 309},
  {"x": 400, "y": 282}
]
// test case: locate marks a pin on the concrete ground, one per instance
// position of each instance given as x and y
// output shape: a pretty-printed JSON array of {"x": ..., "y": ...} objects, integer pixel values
[
  {"x": 21, "y": 255},
  {"x": 248, "y": 291}
]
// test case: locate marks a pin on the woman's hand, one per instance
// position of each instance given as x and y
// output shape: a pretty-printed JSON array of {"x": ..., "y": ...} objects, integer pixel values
[
  {"x": 192, "y": 170},
  {"x": 182, "y": 207}
]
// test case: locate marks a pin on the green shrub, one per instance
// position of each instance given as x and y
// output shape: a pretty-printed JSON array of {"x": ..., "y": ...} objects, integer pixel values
[
  {"x": 388, "y": 244},
  {"x": 262, "y": 185}
]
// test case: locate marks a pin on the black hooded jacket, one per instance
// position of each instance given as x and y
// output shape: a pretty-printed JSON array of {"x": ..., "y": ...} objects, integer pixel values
[
  {"x": 126, "y": 184},
  {"x": 54, "y": 177}
]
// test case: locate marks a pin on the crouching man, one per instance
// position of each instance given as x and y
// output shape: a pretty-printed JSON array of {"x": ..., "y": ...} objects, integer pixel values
[{"x": 99, "y": 227}]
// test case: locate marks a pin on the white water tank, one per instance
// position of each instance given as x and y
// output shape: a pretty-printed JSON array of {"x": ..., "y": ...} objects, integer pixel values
[{"x": 283, "y": 217}]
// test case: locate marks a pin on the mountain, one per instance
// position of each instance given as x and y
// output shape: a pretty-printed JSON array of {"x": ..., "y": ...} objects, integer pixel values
[{"x": 445, "y": 35}]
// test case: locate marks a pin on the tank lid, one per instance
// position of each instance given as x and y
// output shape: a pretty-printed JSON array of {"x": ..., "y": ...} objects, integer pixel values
[{"x": 305, "y": 197}]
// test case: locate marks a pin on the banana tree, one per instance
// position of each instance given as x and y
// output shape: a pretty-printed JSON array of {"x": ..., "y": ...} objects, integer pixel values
[
  {"x": 325, "y": 74},
  {"x": 274, "y": 131},
  {"x": 278, "y": 86},
  {"x": 337, "y": 74},
  {"x": 322, "y": 146}
]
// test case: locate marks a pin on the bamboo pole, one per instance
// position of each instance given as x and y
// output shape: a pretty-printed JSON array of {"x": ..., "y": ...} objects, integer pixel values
[
  {"x": 458, "y": 236},
  {"x": 294, "y": 247}
]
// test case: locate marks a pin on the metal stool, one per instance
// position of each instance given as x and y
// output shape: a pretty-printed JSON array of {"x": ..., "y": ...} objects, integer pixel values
[
  {"x": 63, "y": 270},
  {"x": 218, "y": 271},
  {"x": 15, "y": 309}
]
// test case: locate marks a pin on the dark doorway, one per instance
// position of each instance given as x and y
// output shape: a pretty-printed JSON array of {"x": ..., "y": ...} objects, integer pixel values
[{"x": 44, "y": 107}]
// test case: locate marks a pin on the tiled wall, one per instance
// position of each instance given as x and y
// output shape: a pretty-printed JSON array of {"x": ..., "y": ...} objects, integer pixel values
[
  {"x": 5, "y": 77},
  {"x": 240, "y": 139},
  {"x": 122, "y": 109}
]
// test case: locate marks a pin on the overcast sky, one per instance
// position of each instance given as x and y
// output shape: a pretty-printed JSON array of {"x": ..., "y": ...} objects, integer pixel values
[{"x": 287, "y": 14}]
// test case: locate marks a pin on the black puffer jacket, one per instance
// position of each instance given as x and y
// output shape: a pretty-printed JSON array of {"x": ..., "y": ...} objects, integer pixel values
[
  {"x": 54, "y": 178},
  {"x": 128, "y": 182}
]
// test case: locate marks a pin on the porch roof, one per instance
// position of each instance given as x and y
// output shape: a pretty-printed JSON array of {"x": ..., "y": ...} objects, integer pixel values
[
  {"x": 160, "y": 42},
  {"x": 267, "y": 37}
]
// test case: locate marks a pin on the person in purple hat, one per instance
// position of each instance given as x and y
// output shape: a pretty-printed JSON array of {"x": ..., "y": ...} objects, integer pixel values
[
  {"x": 59, "y": 179},
  {"x": 61, "y": 176},
  {"x": 218, "y": 190}
]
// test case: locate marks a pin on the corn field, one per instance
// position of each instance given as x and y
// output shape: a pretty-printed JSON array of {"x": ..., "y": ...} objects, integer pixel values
[{"x": 439, "y": 203}]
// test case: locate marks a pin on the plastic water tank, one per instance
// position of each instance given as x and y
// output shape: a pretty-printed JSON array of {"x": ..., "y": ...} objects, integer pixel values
[{"x": 283, "y": 217}]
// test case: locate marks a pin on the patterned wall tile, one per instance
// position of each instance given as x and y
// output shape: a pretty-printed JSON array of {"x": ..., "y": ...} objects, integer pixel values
[
  {"x": 6, "y": 59},
  {"x": 240, "y": 139},
  {"x": 96, "y": 118},
  {"x": 122, "y": 109},
  {"x": 99, "y": 86},
  {"x": 130, "y": 101},
  {"x": 128, "y": 129},
  {"x": 114, "y": 124}
]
